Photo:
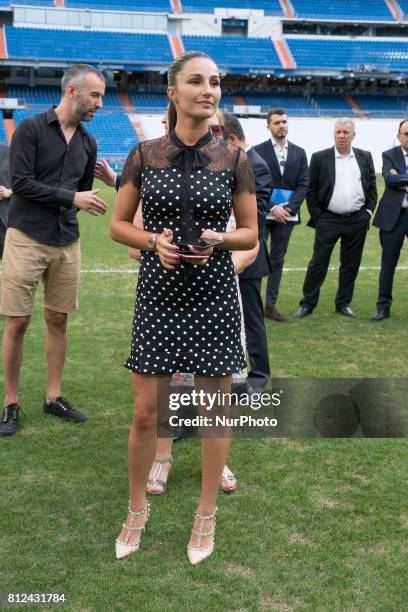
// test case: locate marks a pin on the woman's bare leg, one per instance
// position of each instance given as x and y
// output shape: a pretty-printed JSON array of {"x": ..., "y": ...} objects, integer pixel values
[
  {"x": 214, "y": 452},
  {"x": 141, "y": 448}
]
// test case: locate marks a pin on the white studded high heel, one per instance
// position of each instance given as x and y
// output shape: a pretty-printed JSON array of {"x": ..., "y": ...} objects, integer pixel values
[
  {"x": 124, "y": 549},
  {"x": 196, "y": 554}
]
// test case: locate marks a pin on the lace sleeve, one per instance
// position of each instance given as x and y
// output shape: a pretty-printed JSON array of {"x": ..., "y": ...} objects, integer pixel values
[
  {"x": 132, "y": 170},
  {"x": 243, "y": 175}
]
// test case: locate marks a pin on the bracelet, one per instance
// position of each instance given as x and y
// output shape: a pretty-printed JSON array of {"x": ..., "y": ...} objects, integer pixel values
[{"x": 151, "y": 242}]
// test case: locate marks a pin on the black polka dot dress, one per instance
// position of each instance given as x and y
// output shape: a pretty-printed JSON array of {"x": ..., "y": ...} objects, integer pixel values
[{"x": 188, "y": 319}]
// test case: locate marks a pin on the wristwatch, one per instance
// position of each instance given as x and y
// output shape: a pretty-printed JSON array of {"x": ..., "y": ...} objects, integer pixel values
[{"x": 151, "y": 242}]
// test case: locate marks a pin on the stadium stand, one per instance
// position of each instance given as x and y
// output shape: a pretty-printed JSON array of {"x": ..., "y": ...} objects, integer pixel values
[
  {"x": 227, "y": 102},
  {"x": 146, "y": 102},
  {"x": 35, "y": 95},
  {"x": 349, "y": 53},
  {"x": 157, "y": 102},
  {"x": 113, "y": 131},
  {"x": 235, "y": 51},
  {"x": 295, "y": 105},
  {"x": 46, "y": 96},
  {"x": 404, "y": 8},
  {"x": 374, "y": 10},
  {"x": 21, "y": 114},
  {"x": 271, "y": 7},
  {"x": 111, "y": 99},
  {"x": 336, "y": 57},
  {"x": 154, "y": 6},
  {"x": 332, "y": 105},
  {"x": 3, "y": 136},
  {"x": 77, "y": 45},
  {"x": 114, "y": 134},
  {"x": 232, "y": 52},
  {"x": 9, "y": 3},
  {"x": 381, "y": 105}
]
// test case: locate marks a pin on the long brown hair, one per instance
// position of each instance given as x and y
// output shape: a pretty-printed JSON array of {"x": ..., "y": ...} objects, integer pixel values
[{"x": 172, "y": 72}]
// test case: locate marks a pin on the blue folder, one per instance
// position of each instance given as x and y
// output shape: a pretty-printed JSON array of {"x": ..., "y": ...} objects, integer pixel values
[{"x": 280, "y": 196}]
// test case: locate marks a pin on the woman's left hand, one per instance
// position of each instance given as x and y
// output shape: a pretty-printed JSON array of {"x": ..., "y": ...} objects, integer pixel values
[
  {"x": 203, "y": 253},
  {"x": 209, "y": 234}
]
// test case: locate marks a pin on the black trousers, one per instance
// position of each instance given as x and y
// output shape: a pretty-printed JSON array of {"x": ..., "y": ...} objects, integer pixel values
[
  {"x": 280, "y": 234},
  {"x": 391, "y": 243},
  {"x": 256, "y": 340},
  {"x": 351, "y": 231}
]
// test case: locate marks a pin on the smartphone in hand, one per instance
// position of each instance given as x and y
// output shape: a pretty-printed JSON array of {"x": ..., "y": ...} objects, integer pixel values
[{"x": 197, "y": 243}]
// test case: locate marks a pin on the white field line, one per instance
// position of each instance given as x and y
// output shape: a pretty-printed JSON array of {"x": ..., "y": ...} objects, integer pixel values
[{"x": 136, "y": 270}]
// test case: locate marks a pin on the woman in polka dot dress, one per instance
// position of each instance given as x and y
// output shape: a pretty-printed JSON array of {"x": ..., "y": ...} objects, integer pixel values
[{"x": 187, "y": 316}]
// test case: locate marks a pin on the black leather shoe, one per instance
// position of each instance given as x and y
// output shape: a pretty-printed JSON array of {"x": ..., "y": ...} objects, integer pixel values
[
  {"x": 382, "y": 314},
  {"x": 9, "y": 424},
  {"x": 346, "y": 311},
  {"x": 62, "y": 408},
  {"x": 303, "y": 311}
]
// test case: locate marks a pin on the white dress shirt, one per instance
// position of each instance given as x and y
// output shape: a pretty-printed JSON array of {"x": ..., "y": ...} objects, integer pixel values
[
  {"x": 281, "y": 152},
  {"x": 348, "y": 194}
]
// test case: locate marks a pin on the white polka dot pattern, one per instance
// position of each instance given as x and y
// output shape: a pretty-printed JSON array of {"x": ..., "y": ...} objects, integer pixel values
[{"x": 186, "y": 323}]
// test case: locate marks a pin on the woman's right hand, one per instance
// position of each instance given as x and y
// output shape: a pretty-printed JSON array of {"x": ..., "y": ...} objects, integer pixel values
[{"x": 167, "y": 252}]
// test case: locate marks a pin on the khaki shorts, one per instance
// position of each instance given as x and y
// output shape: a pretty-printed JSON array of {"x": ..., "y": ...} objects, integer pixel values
[{"x": 25, "y": 262}]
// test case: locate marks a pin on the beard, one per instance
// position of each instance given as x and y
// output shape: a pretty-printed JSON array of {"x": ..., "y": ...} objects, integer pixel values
[{"x": 80, "y": 109}]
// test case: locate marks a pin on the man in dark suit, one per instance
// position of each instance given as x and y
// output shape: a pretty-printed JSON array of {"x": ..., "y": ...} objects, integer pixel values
[
  {"x": 392, "y": 218},
  {"x": 250, "y": 278},
  {"x": 5, "y": 192},
  {"x": 341, "y": 198},
  {"x": 288, "y": 165}
]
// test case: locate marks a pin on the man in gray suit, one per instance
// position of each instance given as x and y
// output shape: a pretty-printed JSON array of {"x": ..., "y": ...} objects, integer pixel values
[{"x": 5, "y": 192}]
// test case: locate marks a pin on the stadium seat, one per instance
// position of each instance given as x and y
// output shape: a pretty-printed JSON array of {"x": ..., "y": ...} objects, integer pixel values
[
  {"x": 157, "y": 102},
  {"x": 404, "y": 7},
  {"x": 374, "y": 10},
  {"x": 382, "y": 105},
  {"x": 235, "y": 51},
  {"x": 9, "y": 3},
  {"x": 113, "y": 131},
  {"x": 156, "y": 6},
  {"x": 348, "y": 53},
  {"x": 78, "y": 45},
  {"x": 46, "y": 96},
  {"x": 227, "y": 102},
  {"x": 271, "y": 7},
  {"x": 295, "y": 105},
  {"x": 3, "y": 135},
  {"x": 147, "y": 102},
  {"x": 114, "y": 134},
  {"x": 38, "y": 96},
  {"x": 332, "y": 105}
]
